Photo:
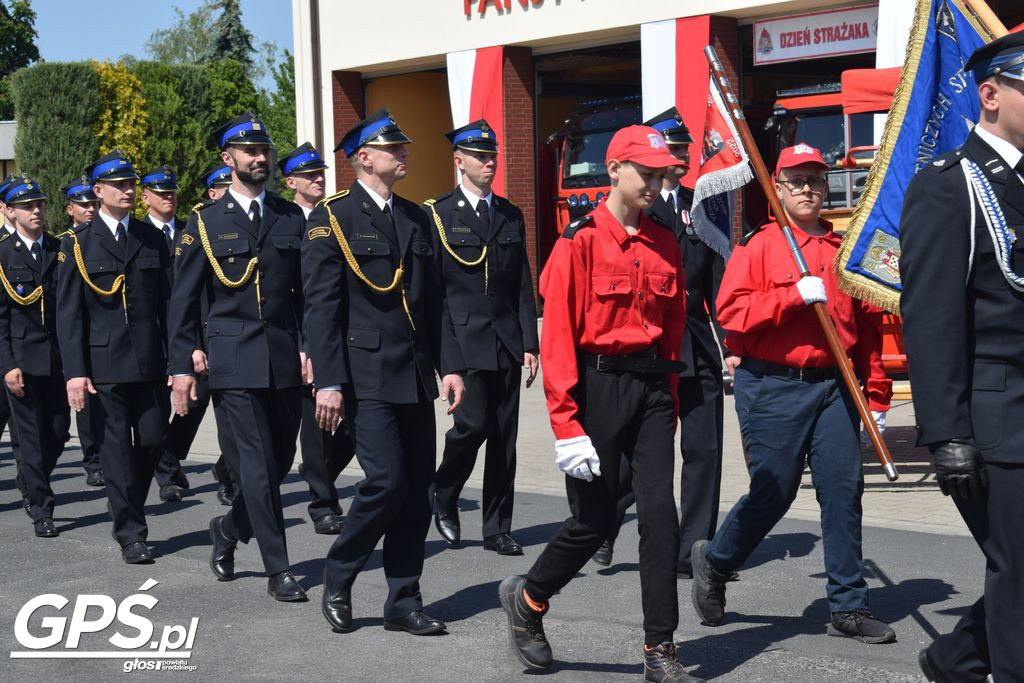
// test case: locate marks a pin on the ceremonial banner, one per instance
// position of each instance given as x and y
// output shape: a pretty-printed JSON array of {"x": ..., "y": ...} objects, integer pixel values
[
  {"x": 724, "y": 168},
  {"x": 475, "y": 91},
  {"x": 933, "y": 110}
]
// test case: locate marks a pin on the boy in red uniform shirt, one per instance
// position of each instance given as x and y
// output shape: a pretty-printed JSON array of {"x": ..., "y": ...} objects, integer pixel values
[
  {"x": 613, "y": 325},
  {"x": 792, "y": 403}
]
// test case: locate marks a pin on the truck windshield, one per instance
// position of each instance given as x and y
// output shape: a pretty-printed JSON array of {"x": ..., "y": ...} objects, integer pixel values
[{"x": 584, "y": 159}]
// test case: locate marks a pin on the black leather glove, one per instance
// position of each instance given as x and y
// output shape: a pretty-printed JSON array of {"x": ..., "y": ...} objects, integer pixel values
[{"x": 959, "y": 469}]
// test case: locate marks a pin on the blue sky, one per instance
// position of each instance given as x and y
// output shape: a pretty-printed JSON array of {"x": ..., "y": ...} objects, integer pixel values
[{"x": 73, "y": 31}]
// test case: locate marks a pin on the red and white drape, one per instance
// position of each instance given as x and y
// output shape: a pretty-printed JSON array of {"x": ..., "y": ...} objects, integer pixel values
[{"x": 475, "y": 90}]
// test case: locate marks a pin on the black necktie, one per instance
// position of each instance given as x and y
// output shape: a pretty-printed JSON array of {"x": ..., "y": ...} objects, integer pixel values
[
  {"x": 483, "y": 211},
  {"x": 1020, "y": 167},
  {"x": 254, "y": 209},
  {"x": 34, "y": 249},
  {"x": 671, "y": 201},
  {"x": 119, "y": 235},
  {"x": 169, "y": 233}
]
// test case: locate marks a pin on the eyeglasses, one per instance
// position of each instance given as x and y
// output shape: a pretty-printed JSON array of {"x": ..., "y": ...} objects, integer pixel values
[{"x": 797, "y": 185}]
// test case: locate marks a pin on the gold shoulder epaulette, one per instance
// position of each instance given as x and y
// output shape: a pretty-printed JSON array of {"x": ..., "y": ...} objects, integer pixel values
[
  {"x": 327, "y": 200},
  {"x": 4, "y": 236},
  {"x": 63, "y": 234},
  {"x": 198, "y": 206}
]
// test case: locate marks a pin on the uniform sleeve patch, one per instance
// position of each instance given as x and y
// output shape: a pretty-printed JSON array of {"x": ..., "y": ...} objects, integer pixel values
[
  {"x": 177, "y": 251},
  {"x": 62, "y": 257},
  {"x": 319, "y": 232},
  {"x": 186, "y": 239}
]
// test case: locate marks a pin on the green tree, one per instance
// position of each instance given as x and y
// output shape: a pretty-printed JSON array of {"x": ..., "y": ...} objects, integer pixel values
[
  {"x": 278, "y": 108},
  {"x": 188, "y": 40},
  {"x": 17, "y": 48},
  {"x": 230, "y": 39},
  {"x": 56, "y": 106},
  {"x": 177, "y": 133}
]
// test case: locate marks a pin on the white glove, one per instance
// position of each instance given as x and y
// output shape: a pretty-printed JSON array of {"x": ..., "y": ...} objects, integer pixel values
[
  {"x": 577, "y": 458},
  {"x": 812, "y": 289},
  {"x": 879, "y": 417}
]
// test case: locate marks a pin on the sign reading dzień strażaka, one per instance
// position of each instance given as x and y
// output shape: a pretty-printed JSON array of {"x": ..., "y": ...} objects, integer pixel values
[{"x": 828, "y": 33}]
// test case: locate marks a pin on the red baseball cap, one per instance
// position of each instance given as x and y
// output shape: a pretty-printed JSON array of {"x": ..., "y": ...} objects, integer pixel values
[
  {"x": 641, "y": 144},
  {"x": 800, "y": 153}
]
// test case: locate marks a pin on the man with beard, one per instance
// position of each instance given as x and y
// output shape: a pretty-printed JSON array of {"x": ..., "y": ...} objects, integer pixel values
[
  {"x": 113, "y": 287},
  {"x": 324, "y": 455},
  {"x": 29, "y": 360},
  {"x": 242, "y": 254},
  {"x": 373, "y": 327},
  {"x": 160, "y": 197},
  {"x": 81, "y": 207},
  {"x": 480, "y": 239}
]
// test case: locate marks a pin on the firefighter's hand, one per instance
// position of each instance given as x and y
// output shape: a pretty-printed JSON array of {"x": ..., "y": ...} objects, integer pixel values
[
  {"x": 959, "y": 469},
  {"x": 15, "y": 382},
  {"x": 578, "y": 458},
  {"x": 183, "y": 389},
  {"x": 731, "y": 363},
  {"x": 812, "y": 289},
  {"x": 531, "y": 363},
  {"x": 77, "y": 388},
  {"x": 330, "y": 408},
  {"x": 452, "y": 390}
]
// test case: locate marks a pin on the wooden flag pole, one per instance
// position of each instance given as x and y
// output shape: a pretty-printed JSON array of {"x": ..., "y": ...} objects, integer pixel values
[
  {"x": 987, "y": 18},
  {"x": 827, "y": 326}
]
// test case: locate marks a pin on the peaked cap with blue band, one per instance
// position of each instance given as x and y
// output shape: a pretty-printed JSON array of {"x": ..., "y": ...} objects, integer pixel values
[
  {"x": 79, "y": 191},
  {"x": 670, "y": 124},
  {"x": 477, "y": 136},
  {"x": 242, "y": 130},
  {"x": 110, "y": 167},
  {"x": 6, "y": 183},
  {"x": 379, "y": 129},
  {"x": 302, "y": 159},
  {"x": 162, "y": 179},
  {"x": 218, "y": 174},
  {"x": 23, "y": 190},
  {"x": 1002, "y": 57}
]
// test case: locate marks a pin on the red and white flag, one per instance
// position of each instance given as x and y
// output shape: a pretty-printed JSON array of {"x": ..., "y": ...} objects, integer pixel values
[{"x": 724, "y": 168}]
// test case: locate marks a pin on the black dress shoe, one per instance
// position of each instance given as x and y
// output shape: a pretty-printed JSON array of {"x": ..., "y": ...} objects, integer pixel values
[
  {"x": 327, "y": 524},
  {"x": 337, "y": 608},
  {"x": 416, "y": 623},
  {"x": 136, "y": 552},
  {"x": 603, "y": 555},
  {"x": 503, "y": 544},
  {"x": 283, "y": 586},
  {"x": 222, "y": 557},
  {"x": 44, "y": 528},
  {"x": 447, "y": 524},
  {"x": 95, "y": 479},
  {"x": 27, "y": 507},
  {"x": 171, "y": 493},
  {"x": 226, "y": 495}
]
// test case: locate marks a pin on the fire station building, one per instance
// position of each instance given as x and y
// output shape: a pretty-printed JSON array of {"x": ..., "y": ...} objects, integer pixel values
[{"x": 551, "y": 76}]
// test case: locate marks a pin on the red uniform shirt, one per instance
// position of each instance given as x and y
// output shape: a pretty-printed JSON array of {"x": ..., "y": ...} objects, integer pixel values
[
  {"x": 766, "y": 318},
  {"x": 607, "y": 292}
]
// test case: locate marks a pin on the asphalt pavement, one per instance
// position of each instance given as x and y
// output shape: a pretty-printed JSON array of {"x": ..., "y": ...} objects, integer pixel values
[{"x": 774, "y": 629}]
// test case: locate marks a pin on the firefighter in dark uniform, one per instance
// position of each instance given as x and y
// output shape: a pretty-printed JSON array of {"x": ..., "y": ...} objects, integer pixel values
[
  {"x": 217, "y": 180},
  {"x": 160, "y": 197},
  {"x": 701, "y": 404},
  {"x": 963, "y": 324},
  {"x": 113, "y": 287},
  {"x": 29, "y": 359},
  {"x": 242, "y": 253},
  {"x": 324, "y": 455},
  {"x": 614, "y": 312},
  {"x": 373, "y": 328},
  {"x": 480, "y": 241},
  {"x": 81, "y": 208},
  {"x": 5, "y": 408}
]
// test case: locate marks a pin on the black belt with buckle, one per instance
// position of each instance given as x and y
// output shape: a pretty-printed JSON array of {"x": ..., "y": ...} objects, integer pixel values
[
  {"x": 644, "y": 362},
  {"x": 804, "y": 374}
]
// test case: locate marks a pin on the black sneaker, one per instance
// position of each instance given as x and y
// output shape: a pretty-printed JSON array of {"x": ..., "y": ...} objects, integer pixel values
[
  {"x": 860, "y": 625},
  {"x": 661, "y": 665},
  {"x": 603, "y": 556},
  {"x": 707, "y": 592},
  {"x": 525, "y": 625}
]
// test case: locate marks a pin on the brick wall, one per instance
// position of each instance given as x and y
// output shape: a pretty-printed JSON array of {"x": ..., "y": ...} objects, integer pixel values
[
  {"x": 347, "y": 97},
  {"x": 519, "y": 148},
  {"x": 725, "y": 39}
]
